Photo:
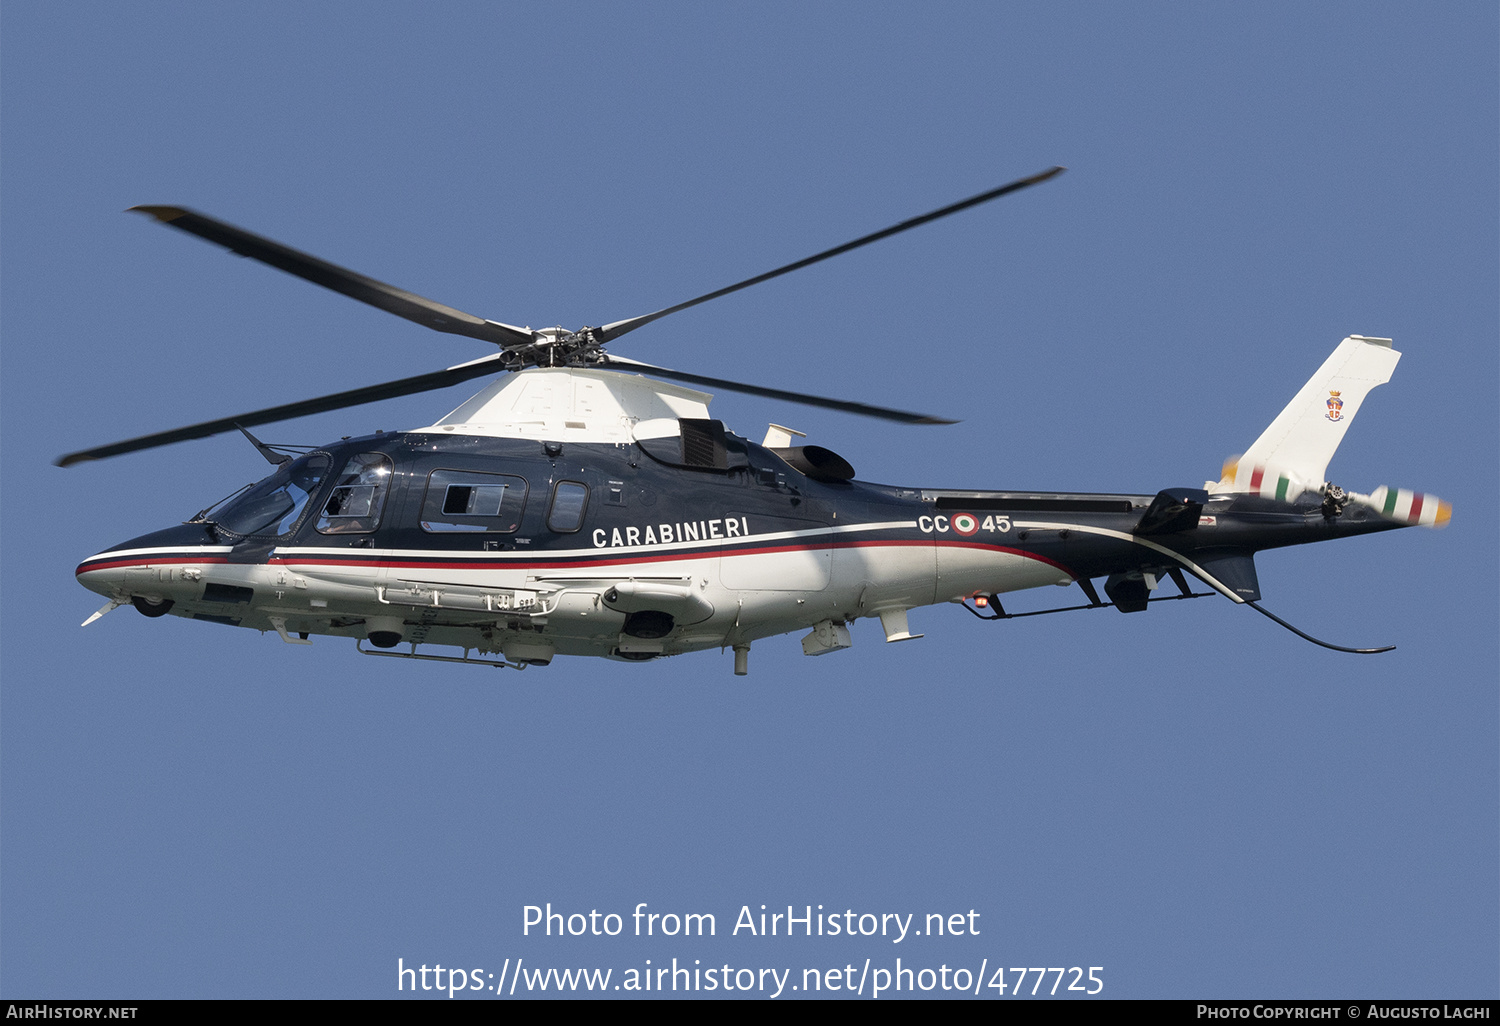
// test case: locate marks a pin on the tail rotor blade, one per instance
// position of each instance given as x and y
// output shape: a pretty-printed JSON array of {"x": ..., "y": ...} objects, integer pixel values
[
  {"x": 1269, "y": 482},
  {"x": 1416, "y": 509}
]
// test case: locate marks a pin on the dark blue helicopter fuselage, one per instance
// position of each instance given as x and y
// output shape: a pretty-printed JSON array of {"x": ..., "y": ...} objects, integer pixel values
[{"x": 465, "y": 540}]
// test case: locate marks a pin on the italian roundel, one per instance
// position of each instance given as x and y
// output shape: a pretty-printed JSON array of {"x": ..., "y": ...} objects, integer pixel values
[{"x": 965, "y": 523}]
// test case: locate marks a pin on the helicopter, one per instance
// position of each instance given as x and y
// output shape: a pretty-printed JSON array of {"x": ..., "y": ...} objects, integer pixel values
[{"x": 582, "y": 503}]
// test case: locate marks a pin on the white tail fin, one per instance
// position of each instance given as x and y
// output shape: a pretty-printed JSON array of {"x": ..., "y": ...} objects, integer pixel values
[{"x": 1303, "y": 438}]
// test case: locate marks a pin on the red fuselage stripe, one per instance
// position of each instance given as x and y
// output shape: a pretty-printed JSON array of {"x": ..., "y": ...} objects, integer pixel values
[
  {"x": 141, "y": 561},
  {"x": 544, "y": 561}
]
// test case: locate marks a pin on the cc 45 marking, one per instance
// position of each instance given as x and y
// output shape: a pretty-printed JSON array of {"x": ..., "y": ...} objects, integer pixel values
[{"x": 963, "y": 524}]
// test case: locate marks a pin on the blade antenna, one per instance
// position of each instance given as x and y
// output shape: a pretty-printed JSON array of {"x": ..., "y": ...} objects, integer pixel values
[
  {"x": 273, "y": 457},
  {"x": 1308, "y": 637}
]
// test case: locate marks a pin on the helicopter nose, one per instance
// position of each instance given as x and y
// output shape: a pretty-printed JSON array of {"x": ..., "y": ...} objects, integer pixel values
[
  {"x": 149, "y": 570},
  {"x": 99, "y": 577}
]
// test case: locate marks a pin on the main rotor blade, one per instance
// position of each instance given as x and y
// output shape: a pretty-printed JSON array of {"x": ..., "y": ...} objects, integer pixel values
[
  {"x": 862, "y": 409},
  {"x": 618, "y": 328},
  {"x": 405, "y": 304},
  {"x": 354, "y": 397}
]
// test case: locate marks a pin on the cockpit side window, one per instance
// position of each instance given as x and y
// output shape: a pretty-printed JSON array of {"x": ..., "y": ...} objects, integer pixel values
[
  {"x": 358, "y": 495},
  {"x": 469, "y": 500},
  {"x": 272, "y": 507}
]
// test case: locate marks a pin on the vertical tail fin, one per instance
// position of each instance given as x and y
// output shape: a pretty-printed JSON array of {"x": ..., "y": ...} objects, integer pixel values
[{"x": 1303, "y": 438}]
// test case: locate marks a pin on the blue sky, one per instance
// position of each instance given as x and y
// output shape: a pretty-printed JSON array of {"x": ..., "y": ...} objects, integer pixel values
[{"x": 1191, "y": 798}]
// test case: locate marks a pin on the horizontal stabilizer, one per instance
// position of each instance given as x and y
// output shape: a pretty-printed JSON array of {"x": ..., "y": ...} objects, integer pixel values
[{"x": 1236, "y": 572}]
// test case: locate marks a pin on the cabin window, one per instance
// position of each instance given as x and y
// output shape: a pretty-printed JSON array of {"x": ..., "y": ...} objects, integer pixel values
[
  {"x": 467, "y": 500},
  {"x": 569, "y": 500},
  {"x": 358, "y": 495},
  {"x": 273, "y": 507}
]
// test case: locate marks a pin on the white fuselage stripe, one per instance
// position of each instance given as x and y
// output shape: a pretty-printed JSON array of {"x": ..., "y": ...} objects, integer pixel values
[
  {"x": 1194, "y": 568},
  {"x": 206, "y": 550},
  {"x": 292, "y": 553}
]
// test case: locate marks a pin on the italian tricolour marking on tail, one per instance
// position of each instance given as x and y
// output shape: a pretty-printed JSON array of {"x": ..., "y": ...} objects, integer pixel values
[
  {"x": 1256, "y": 479},
  {"x": 1302, "y": 440},
  {"x": 1417, "y": 508}
]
